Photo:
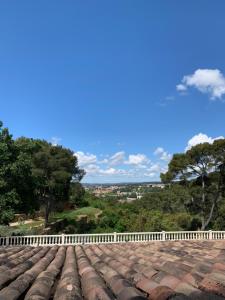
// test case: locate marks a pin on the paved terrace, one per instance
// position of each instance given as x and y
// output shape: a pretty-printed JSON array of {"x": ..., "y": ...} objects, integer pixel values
[{"x": 151, "y": 270}]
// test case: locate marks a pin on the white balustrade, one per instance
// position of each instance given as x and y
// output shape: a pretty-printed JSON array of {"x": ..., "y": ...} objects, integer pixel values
[{"x": 75, "y": 239}]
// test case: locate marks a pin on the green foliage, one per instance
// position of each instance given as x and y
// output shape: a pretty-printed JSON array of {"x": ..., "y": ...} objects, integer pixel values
[
  {"x": 77, "y": 195},
  {"x": 94, "y": 201},
  {"x": 35, "y": 173},
  {"x": 20, "y": 231},
  {"x": 219, "y": 223},
  {"x": 53, "y": 169},
  {"x": 142, "y": 215},
  {"x": 168, "y": 200},
  {"x": 202, "y": 170},
  {"x": 122, "y": 219},
  {"x": 15, "y": 176},
  {"x": 7, "y": 202},
  {"x": 90, "y": 212}
]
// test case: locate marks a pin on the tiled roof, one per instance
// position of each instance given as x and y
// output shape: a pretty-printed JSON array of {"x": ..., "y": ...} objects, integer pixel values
[{"x": 155, "y": 270}]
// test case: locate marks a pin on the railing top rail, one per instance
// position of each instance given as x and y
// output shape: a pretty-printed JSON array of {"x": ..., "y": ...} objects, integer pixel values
[
  {"x": 196, "y": 231},
  {"x": 141, "y": 232},
  {"x": 61, "y": 239},
  {"x": 90, "y": 234},
  {"x": 112, "y": 233},
  {"x": 31, "y": 236}
]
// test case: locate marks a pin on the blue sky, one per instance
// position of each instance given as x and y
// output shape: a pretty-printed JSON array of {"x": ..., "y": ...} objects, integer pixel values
[{"x": 124, "y": 84}]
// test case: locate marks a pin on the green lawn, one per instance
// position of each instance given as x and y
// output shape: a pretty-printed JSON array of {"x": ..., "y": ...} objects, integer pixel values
[
  {"x": 24, "y": 226},
  {"x": 72, "y": 214}
]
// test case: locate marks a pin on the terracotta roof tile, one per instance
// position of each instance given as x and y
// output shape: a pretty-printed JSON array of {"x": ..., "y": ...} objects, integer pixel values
[
  {"x": 175, "y": 270},
  {"x": 161, "y": 293},
  {"x": 146, "y": 285},
  {"x": 212, "y": 286}
]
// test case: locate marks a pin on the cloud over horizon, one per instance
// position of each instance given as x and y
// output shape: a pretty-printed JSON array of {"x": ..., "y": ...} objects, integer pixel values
[
  {"x": 137, "y": 160},
  {"x": 121, "y": 166},
  {"x": 85, "y": 158}
]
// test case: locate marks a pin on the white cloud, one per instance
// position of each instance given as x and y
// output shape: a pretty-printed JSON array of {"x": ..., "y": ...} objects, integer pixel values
[
  {"x": 209, "y": 81},
  {"x": 158, "y": 151},
  {"x": 104, "y": 161},
  {"x": 121, "y": 167},
  {"x": 95, "y": 170},
  {"x": 117, "y": 159},
  {"x": 85, "y": 158},
  {"x": 154, "y": 168},
  {"x": 137, "y": 159},
  {"x": 113, "y": 171},
  {"x": 110, "y": 171},
  {"x": 162, "y": 154},
  {"x": 150, "y": 174},
  {"x": 92, "y": 169},
  {"x": 200, "y": 139},
  {"x": 55, "y": 140},
  {"x": 181, "y": 87}
]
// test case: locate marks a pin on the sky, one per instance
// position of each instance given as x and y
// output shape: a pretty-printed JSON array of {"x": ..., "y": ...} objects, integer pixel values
[{"x": 124, "y": 84}]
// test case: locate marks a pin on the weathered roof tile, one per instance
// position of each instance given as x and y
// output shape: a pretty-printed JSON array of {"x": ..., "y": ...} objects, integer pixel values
[{"x": 177, "y": 270}]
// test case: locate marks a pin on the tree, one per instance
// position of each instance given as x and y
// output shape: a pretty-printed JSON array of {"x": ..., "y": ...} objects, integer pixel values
[
  {"x": 76, "y": 195},
  {"x": 219, "y": 153},
  {"x": 15, "y": 176},
  {"x": 54, "y": 167},
  {"x": 34, "y": 173},
  {"x": 25, "y": 182},
  {"x": 168, "y": 200},
  {"x": 201, "y": 169}
]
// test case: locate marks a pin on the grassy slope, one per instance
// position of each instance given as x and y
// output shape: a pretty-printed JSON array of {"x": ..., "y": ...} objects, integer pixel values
[
  {"x": 29, "y": 225},
  {"x": 91, "y": 212},
  {"x": 73, "y": 214}
]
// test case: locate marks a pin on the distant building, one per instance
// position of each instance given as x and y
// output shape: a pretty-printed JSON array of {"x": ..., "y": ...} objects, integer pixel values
[{"x": 127, "y": 200}]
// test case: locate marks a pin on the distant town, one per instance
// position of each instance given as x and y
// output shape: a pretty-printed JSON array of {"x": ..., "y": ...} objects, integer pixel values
[{"x": 123, "y": 192}]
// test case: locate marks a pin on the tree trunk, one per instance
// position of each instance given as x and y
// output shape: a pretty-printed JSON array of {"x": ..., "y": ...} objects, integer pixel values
[
  {"x": 216, "y": 200},
  {"x": 210, "y": 215},
  {"x": 47, "y": 211},
  {"x": 203, "y": 224},
  {"x": 203, "y": 204}
]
